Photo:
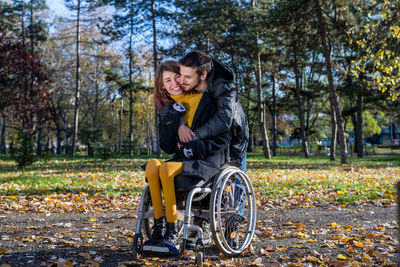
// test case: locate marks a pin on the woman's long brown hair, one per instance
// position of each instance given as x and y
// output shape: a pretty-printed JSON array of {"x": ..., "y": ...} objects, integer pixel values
[{"x": 160, "y": 94}]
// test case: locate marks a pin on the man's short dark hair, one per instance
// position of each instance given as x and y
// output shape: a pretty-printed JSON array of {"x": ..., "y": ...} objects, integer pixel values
[{"x": 197, "y": 59}]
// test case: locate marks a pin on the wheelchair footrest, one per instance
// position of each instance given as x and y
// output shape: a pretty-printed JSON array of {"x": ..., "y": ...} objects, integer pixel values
[{"x": 175, "y": 253}]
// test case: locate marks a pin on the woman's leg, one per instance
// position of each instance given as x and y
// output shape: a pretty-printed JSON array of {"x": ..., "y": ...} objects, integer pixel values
[
  {"x": 153, "y": 178},
  {"x": 168, "y": 171}
]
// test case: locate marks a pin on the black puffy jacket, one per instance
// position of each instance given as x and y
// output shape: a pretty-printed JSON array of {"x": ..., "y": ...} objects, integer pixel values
[
  {"x": 229, "y": 115},
  {"x": 209, "y": 153}
]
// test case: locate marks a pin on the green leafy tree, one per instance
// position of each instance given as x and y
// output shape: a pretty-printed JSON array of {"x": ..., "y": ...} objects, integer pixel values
[{"x": 379, "y": 41}]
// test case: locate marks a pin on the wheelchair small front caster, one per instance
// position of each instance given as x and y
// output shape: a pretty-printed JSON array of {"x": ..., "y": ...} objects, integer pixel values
[
  {"x": 135, "y": 255},
  {"x": 199, "y": 253},
  {"x": 137, "y": 238},
  {"x": 199, "y": 258}
]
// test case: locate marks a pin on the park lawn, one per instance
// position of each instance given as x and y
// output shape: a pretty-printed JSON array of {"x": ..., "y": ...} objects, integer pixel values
[{"x": 78, "y": 184}]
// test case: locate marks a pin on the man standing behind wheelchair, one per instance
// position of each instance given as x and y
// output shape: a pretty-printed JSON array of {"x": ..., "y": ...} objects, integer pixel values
[
  {"x": 210, "y": 113},
  {"x": 220, "y": 84}
]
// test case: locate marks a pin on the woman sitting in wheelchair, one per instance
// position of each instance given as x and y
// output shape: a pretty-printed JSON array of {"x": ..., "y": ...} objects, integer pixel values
[{"x": 197, "y": 158}]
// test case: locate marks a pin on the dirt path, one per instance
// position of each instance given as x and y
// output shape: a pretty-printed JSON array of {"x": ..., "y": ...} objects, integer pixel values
[{"x": 307, "y": 237}]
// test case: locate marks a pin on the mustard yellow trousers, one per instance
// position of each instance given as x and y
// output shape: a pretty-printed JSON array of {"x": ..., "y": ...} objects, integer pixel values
[{"x": 163, "y": 173}]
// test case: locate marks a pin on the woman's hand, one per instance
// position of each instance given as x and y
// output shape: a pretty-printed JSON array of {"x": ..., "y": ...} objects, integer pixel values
[{"x": 185, "y": 133}]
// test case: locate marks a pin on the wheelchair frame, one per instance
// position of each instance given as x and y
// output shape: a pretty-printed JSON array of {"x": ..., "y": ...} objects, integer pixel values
[{"x": 215, "y": 212}]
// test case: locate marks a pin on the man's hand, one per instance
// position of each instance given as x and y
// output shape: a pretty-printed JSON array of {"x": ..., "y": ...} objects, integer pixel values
[{"x": 185, "y": 133}]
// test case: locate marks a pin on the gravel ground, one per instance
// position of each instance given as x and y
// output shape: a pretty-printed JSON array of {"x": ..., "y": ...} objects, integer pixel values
[{"x": 283, "y": 236}]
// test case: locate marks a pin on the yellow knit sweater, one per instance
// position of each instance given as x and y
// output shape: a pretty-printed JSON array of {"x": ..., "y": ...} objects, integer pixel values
[{"x": 190, "y": 102}]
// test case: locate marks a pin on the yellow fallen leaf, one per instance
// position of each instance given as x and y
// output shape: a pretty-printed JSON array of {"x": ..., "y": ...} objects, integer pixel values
[
  {"x": 270, "y": 249},
  {"x": 312, "y": 240},
  {"x": 207, "y": 263},
  {"x": 312, "y": 259},
  {"x": 301, "y": 235},
  {"x": 256, "y": 262},
  {"x": 3, "y": 251},
  {"x": 358, "y": 244},
  {"x": 347, "y": 239},
  {"x": 340, "y": 192},
  {"x": 92, "y": 219},
  {"x": 342, "y": 257},
  {"x": 282, "y": 249},
  {"x": 333, "y": 224},
  {"x": 288, "y": 223},
  {"x": 264, "y": 252}
]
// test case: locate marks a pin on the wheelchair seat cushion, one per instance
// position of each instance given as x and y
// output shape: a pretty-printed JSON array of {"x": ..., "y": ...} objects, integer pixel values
[{"x": 186, "y": 183}]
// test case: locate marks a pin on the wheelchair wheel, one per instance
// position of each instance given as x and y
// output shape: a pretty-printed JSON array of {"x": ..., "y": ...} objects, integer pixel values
[
  {"x": 148, "y": 222},
  {"x": 232, "y": 211}
]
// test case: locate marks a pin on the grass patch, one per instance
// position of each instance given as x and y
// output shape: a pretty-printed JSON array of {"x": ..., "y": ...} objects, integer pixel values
[{"x": 316, "y": 179}]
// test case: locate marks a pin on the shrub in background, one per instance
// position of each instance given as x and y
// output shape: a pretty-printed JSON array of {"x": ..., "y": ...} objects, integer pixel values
[{"x": 22, "y": 152}]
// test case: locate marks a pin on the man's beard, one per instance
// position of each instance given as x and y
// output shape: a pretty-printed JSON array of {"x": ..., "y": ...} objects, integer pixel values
[{"x": 194, "y": 88}]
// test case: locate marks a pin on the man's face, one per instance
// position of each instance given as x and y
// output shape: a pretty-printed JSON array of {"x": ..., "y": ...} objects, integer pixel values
[{"x": 190, "y": 78}]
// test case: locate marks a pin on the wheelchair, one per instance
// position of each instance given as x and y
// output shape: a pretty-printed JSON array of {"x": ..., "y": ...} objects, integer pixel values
[{"x": 227, "y": 201}]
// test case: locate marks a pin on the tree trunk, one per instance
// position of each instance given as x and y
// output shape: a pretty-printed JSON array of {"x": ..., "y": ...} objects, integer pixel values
[
  {"x": 77, "y": 71},
  {"x": 57, "y": 122},
  {"x": 153, "y": 14},
  {"x": 49, "y": 138},
  {"x": 274, "y": 138},
  {"x": 58, "y": 130},
  {"x": 299, "y": 107},
  {"x": 332, "y": 89},
  {"x": 359, "y": 121},
  {"x": 3, "y": 134},
  {"x": 96, "y": 98},
  {"x": 130, "y": 82},
  {"x": 66, "y": 133},
  {"x": 261, "y": 109},
  {"x": 25, "y": 121},
  {"x": 332, "y": 148},
  {"x": 120, "y": 127},
  {"x": 354, "y": 121},
  {"x": 39, "y": 140}
]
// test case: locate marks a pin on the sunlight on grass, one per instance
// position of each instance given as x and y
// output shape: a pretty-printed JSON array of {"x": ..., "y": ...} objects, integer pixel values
[{"x": 313, "y": 180}]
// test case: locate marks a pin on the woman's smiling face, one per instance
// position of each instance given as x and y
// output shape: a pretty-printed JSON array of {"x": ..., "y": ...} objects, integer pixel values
[{"x": 172, "y": 82}]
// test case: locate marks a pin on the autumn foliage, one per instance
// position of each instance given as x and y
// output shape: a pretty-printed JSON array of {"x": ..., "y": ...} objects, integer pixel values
[{"x": 23, "y": 82}]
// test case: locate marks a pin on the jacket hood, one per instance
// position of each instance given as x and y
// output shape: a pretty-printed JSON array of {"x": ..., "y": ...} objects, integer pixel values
[{"x": 220, "y": 71}]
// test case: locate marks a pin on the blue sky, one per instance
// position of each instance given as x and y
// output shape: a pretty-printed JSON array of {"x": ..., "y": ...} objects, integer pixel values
[{"x": 58, "y": 7}]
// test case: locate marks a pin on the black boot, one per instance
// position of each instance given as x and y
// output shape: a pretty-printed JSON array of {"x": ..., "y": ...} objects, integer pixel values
[
  {"x": 171, "y": 238},
  {"x": 153, "y": 243}
]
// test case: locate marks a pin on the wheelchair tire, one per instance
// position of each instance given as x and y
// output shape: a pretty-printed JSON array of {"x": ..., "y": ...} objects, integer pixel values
[
  {"x": 232, "y": 233},
  {"x": 147, "y": 223}
]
